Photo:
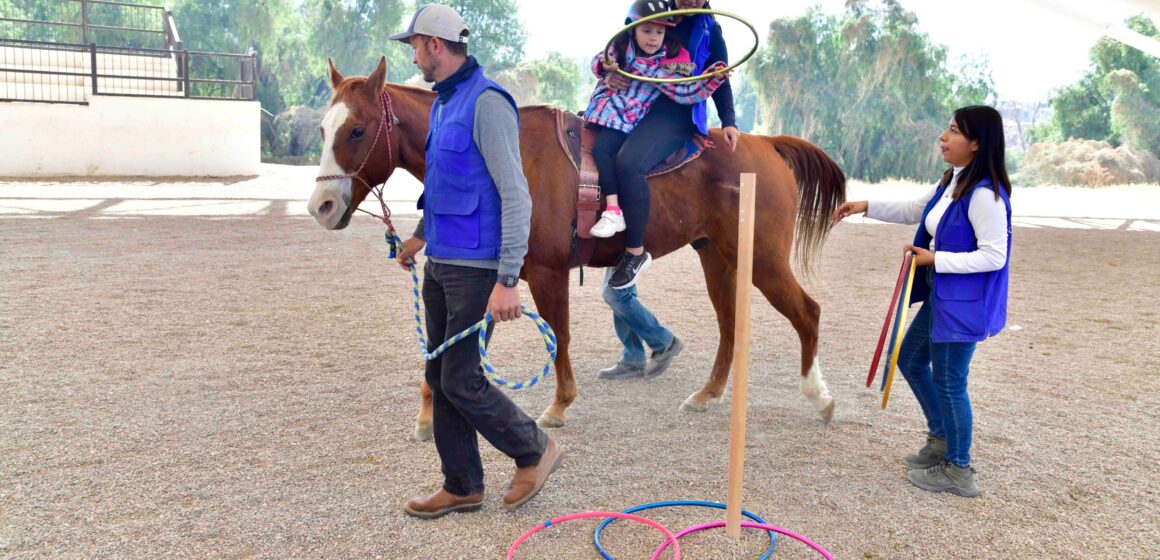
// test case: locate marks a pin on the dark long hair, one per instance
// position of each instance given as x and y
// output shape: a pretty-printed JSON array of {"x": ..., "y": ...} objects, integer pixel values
[
  {"x": 982, "y": 124},
  {"x": 672, "y": 45}
]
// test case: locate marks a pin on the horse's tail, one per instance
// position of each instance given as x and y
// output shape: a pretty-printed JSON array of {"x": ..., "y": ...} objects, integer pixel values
[{"x": 821, "y": 190}]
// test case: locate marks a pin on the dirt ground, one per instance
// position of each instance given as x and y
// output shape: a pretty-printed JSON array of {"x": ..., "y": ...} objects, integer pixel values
[{"x": 246, "y": 388}]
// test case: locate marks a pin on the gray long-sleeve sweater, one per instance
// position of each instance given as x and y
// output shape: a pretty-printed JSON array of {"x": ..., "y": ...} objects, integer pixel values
[{"x": 497, "y": 135}]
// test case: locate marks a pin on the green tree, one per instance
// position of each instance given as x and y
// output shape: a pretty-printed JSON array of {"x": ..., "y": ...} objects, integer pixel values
[
  {"x": 866, "y": 86},
  {"x": 353, "y": 33},
  {"x": 555, "y": 80},
  {"x": 237, "y": 27},
  {"x": 1134, "y": 118},
  {"x": 497, "y": 37},
  {"x": 1084, "y": 109}
]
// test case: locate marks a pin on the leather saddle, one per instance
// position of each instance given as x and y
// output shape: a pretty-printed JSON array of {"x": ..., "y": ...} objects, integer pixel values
[{"x": 576, "y": 140}]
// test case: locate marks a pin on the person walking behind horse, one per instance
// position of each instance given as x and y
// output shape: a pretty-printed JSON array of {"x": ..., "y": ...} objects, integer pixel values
[
  {"x": 963, "y": 287},
  {"x": 648, "y": 51},
  {"x": 477, "y": 218},
  {"x": 667, "y": 127}
]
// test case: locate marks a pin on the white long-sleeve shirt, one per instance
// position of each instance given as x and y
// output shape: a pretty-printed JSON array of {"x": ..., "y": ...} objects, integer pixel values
[{"x": 988, "y": 217}]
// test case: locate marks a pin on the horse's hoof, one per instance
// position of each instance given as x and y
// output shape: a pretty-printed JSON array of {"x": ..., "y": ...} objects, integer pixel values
[
  {"x": 548, "y": 421},
  {"x": 827, "y": 409},
  {"x": 423, "y": 431},
  {"x": 691, "y": 405}
]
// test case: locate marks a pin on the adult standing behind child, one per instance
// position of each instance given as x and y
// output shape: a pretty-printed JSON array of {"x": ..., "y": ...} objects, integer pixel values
[{"x": 962, "y": 249}]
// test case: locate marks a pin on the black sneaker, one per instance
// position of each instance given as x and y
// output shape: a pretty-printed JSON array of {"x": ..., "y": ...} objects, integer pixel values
[{"x": 628, "y": 270}]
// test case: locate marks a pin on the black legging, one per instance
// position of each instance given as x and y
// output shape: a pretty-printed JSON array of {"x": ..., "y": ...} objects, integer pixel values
[
  {"x": 604, "y": 150},
  {"x": 657, "y": 136}
]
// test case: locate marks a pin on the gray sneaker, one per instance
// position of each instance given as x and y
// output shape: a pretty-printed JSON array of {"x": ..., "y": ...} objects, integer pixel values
[
  {"x": 621, "y": 371},
  {"x": 661, "y": 359},
  {"x": 931, "y": 454},
  {"x": 946, "y": 477}
]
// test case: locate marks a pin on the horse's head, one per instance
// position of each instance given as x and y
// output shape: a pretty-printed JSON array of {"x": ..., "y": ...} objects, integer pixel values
[{"x": 357, "y": 150}]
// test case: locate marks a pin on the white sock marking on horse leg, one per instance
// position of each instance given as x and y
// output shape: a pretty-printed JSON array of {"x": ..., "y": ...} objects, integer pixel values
[{"x": 814, "y": 387}]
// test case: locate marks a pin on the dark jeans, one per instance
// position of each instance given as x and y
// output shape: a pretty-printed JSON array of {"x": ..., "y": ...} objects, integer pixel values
[
  {"x": 937, "y": 373},
  {"x": 655, "y": 138},
  {"x": 465, "y": 402}
]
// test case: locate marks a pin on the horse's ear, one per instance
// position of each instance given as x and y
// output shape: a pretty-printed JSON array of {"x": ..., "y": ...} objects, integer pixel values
[
  {"x": 335, "y": 77},
  {"x": 377, "y": 78}
]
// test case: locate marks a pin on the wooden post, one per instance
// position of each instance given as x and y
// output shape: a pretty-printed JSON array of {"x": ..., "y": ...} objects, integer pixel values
[{"x": 741, "y": 354}]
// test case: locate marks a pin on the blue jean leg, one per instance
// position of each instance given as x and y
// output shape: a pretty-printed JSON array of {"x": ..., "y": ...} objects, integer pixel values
[
  {"x": 937, "y": 373},
  {"x": 635, "y": 325},
  {"x": 914, "y": 361},
  {"x": 952, "y": 363}
]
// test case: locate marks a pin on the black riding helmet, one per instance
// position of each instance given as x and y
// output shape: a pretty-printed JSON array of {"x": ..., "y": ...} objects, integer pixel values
[{"x": 643, "y": 8}]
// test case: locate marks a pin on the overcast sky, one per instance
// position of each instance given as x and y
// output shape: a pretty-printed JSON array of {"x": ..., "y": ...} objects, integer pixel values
[{"x": 1030, "y": 49}]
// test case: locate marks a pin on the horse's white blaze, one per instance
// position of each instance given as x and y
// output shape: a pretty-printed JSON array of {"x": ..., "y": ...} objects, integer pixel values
[
  {"x": 814, "y": 387},
  {"x": 337, "y": 191}
]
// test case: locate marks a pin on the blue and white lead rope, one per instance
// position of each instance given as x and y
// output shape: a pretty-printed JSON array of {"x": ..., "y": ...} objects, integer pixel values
[{"x": 545, "y": 329}]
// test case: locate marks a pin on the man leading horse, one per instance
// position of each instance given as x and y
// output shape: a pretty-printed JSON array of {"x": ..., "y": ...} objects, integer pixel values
[{"x": 477, "y": 218}]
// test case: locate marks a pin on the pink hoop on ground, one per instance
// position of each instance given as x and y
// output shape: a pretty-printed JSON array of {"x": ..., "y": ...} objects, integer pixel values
[
  {"x": 601, "y": 515},
  {"x": 748, "y": 525}
]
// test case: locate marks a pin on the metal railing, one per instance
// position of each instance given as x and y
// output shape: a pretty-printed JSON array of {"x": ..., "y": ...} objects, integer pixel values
[
  {"x": 67, "y": 73},
  {"x": 60, "y": 52},
  {"x": 83, "y": 22}
]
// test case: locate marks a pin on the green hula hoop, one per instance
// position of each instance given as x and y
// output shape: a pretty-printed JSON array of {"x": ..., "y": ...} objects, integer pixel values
[{"x": 688, "y": 12}]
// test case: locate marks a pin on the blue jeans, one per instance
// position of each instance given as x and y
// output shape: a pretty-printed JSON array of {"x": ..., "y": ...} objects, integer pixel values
[
  {"x": 635, "y": 325},
  {"x": 937, "y": 373}
]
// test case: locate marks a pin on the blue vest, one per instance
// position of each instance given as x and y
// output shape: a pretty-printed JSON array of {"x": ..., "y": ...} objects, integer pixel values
[
  {"x": 699, "y": 41},
  {"x": 461, "y": 206},
  {"x": 964, "y": 307}
]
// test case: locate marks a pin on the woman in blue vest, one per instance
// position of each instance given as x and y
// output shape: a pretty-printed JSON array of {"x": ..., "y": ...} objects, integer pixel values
[
  {"x": 667, "y": 127},
  {"x": 962, "y": 283}
]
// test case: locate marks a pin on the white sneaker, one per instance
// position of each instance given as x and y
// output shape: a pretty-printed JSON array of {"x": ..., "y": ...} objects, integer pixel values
[{"x": 610, "y": 224}]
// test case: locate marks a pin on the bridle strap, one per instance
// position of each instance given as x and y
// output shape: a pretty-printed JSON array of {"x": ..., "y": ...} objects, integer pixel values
[{"x": 387, "y": 120}]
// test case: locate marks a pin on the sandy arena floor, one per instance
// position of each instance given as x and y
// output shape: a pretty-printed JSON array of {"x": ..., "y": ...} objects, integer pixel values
[{"x": 180, "y": 387}]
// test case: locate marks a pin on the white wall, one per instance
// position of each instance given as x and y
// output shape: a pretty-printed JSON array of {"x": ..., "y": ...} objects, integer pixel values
[{"x": 129, "y": 136}]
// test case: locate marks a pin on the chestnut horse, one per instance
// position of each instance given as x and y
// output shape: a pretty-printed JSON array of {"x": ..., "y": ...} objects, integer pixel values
[{"x": 799, "y": 186}]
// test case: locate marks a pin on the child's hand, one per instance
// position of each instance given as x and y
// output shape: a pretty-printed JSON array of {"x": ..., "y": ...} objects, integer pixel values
[
  {"x": 609, "y": 64},
  {"x": 723, "y": 74}
]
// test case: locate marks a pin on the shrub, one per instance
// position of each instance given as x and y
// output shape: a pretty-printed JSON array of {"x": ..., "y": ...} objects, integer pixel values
[{"x": 1088, "y": 163}]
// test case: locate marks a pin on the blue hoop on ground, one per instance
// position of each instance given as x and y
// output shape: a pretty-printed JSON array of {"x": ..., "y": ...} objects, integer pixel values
[
  {"x": 693, "y": 503},
  {"x": 671, "y": 538},
  {"x": 686, "y": 12},
  {"x": 545, "y": 329}
]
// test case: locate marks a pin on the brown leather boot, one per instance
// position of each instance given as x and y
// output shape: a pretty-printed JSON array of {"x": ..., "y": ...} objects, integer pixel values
[
  {"x": 529, "y": 480},
  {"x": 442, "y": 503}
]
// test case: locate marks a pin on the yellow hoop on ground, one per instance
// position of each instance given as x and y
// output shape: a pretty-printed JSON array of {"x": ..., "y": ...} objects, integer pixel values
[{"x": 691, "y": 11}]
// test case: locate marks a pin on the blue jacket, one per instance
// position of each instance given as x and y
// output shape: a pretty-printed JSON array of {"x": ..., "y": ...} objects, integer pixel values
[
  {"x": 965, "y": 307},
  {"x": 461, "y": 204},
  {"x": 699, "y": 47}
]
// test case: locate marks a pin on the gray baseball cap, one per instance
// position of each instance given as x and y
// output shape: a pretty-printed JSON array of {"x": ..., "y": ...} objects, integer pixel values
[{"x": 435, "y": 20}]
